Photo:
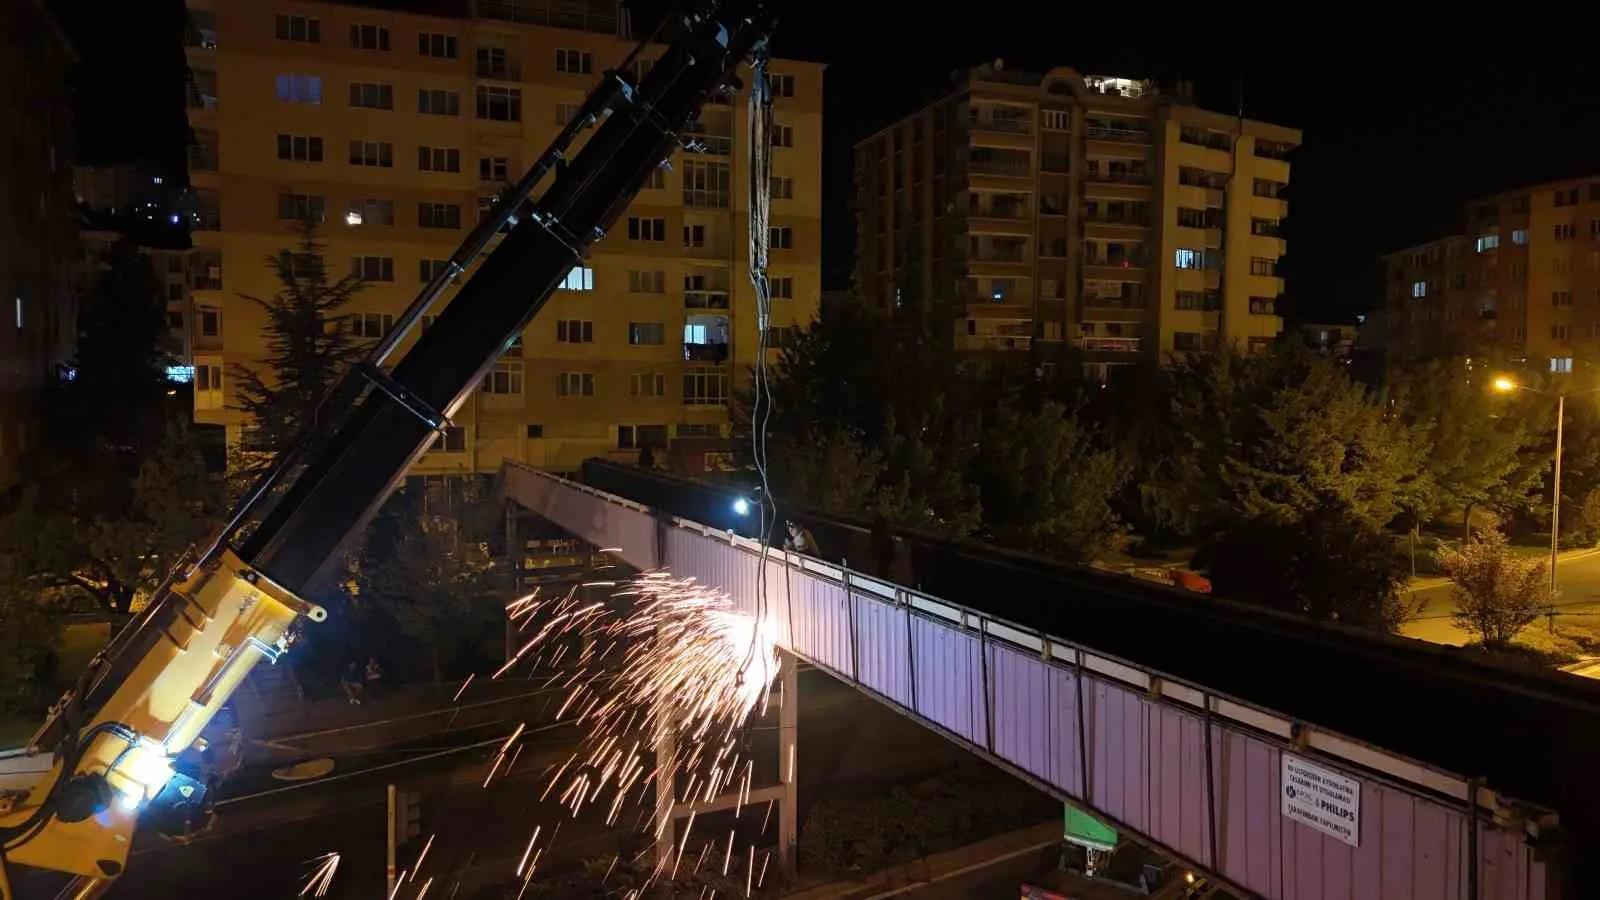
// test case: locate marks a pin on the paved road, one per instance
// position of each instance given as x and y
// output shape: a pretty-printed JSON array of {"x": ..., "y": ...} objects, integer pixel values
[
  {"x": 1578, "y": 574},
  {"x": 263, "y": 848}
]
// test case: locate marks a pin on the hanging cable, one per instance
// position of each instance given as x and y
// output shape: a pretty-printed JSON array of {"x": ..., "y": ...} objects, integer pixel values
[{"x": 760, "y": 136}]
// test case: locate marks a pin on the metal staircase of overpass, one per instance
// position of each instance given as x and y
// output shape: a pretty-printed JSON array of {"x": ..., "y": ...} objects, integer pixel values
[{"x": 1269, "y": 803}]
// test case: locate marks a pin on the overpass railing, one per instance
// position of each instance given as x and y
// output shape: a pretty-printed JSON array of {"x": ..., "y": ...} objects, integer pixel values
[{"x": 1270, "y": 804}]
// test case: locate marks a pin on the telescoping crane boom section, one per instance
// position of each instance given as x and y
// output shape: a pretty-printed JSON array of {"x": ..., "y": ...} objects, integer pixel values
[{"x": 117, "y": 738}]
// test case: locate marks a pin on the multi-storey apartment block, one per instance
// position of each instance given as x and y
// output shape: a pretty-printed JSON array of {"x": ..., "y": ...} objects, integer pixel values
[
  {"x": 1056, "y": 209},
  {"x": 1522, "y": 281},
  {"x": 396, "y": 130}
]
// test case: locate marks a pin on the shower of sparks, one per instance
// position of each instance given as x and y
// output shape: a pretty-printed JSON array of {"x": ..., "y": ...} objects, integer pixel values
[
  {"x": 659, "y": 684},
  {"x": 321, "y": 877}
]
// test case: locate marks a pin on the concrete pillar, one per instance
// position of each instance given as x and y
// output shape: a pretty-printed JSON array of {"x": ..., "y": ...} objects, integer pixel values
[
  {"x": 788, "y": 764},
  {"x": 669, "y": 811}
]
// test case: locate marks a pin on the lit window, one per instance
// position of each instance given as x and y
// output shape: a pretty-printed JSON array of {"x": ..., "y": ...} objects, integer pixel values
[
  {"x": 1519, "y": 236},
  {"x": 300, "y": 89},
  {"x": 1487, "y": 242},
  {"x": 1561, "y": 364},
  {"x": 581, "y": 278},
  {"x": 19, "y": 311},
  {"x": 1188, "y": 259},
  {"x": 1419, "y": 289}
]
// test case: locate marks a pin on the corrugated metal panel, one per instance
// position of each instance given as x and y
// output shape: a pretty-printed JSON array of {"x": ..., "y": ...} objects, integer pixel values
[{"x": 1145, "y": 756}]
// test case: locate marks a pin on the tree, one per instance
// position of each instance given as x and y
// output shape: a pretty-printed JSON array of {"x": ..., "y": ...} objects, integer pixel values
[
  {"x": 849, "y": 390},
  {"x": 1272, "y": 436},
  {"x": 309, "y": 346},
  {"x": 117, "y": 552},
  {"x": 122, "y": 488},
  {"x": 1331, "y": 564},
  {"x": 30, "y": 635},
  {"x": 834, "y": 474},
  {"x": 1477, "y": 448},
  {"x": 1497, "y": 594},
  {"x": 1045, "y": 483},
  {"x": 116, "y": 400},
  {"x": 437, "y": 584}
]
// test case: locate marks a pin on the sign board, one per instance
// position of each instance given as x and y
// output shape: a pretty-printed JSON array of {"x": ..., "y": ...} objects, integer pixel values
[
  {"x": 1322, "y": 799},
  {"x": 1087, "y": 831}
]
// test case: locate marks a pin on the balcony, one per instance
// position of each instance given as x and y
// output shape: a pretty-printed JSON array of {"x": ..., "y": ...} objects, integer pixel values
[
  {"x": 1004, "y": 124},
  {"x": 200, "y": 37},
  {"x": 705, "y": 353},
  {"x": 705, "y": 299},
  {"x": 1200, "y": 137},
  {"x": 709, "y": 144},
  {"x": 1101, "y": 217},
  {"x": 1119, "y": 177},
  {"x": 1117, "y": 135},
  {"x": 1116, "y": 260},
  {"x": 1014, "y": 164},
  {"x": 1016, "y": 210},
  {"x": 202, "y": 99},
  {"x": 998, "y": 342},
  {"x": 1093, "y": 300},
  {"x": 1108, "y": 344},
  {"x": 202, "y": 158},
  {"x": 499, "y": 70},
  {"x": 706, "y": 199}
]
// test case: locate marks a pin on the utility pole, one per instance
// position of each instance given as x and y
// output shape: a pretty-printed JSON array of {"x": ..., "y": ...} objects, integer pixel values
[
  {"x": 391, "y": 842},
  {"x": 1555, "y": 508}
]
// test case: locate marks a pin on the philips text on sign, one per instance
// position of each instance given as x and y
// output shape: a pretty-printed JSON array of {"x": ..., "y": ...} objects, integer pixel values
[{"x": 1322, "y": 799}]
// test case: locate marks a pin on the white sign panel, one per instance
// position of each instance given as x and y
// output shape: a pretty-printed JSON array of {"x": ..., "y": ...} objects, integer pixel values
[{"x": 1322, "y": 799}]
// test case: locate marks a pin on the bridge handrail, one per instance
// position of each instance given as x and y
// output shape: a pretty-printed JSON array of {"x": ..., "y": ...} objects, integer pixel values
[{"x": 1403, "y": 771}]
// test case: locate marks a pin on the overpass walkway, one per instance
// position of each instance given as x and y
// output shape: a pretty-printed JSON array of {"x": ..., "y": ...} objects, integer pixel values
[{"x": 1266, "y": 801}]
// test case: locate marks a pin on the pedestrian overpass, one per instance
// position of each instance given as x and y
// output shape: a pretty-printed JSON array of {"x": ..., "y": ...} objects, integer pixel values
[{"x": 1267, "y": 802}]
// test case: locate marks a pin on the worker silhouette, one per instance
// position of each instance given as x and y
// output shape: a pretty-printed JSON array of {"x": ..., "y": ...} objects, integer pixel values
[{"x": 799, "y": 539}]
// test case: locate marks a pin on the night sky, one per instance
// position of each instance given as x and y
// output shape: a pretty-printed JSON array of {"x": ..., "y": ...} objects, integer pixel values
[{"x": 1400, "y": 129}]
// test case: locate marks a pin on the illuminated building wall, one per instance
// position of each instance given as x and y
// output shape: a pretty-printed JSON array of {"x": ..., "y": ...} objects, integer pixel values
[
  {"x": 395, "y": 128},
  {"x": 1520, "y": 282},
  {"x": 1039, "y": 212}
]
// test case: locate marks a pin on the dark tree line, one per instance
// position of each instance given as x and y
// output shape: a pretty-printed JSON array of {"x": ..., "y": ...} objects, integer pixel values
[{"x": 1296, "y": 485}]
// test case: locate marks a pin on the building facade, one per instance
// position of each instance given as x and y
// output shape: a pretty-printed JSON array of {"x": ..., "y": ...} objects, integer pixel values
[
  {"x": 1072, "y": 209},
  {"x": 396, "y": 130},
  {"x": 1520, "y": 281},
  {"x": 38, "y": 314}
]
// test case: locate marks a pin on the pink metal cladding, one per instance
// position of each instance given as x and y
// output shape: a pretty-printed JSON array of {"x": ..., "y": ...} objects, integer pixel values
[{"x": 1133, "y": 756}]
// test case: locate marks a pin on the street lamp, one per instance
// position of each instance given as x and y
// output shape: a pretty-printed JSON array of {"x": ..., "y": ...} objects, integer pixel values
[{"x": 1506, "y": 385}]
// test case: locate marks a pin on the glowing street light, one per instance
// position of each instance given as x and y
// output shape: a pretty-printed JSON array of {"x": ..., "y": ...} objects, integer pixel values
[{"x": 1505, "y": 384}]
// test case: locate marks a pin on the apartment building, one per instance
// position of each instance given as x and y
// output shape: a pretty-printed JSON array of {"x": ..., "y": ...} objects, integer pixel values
[
  {"x": 1041, "y": 211},
  {"x": 1520, "y": 281},
  {"x": 396, "y": 130},
  {"x": 37, "y": 309}
]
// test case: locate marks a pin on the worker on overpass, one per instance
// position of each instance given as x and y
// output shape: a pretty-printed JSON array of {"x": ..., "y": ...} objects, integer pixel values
[{"x": 799, "y": 539}]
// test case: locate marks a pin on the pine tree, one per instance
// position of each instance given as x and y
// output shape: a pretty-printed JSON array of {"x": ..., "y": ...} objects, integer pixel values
[{"x": 309, "y": 346}]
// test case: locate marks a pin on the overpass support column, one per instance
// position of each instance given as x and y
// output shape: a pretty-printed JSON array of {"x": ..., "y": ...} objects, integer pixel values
[
  {"x": 788, "y": 772},
  {"x": 775, "y": 801}
]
